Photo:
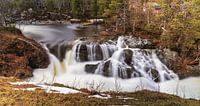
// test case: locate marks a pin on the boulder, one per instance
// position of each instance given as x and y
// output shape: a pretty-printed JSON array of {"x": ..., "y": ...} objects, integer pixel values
[
  {"x": 128, "y": 54},
  {"x": 19, "y": 56},
  {"x": 155, "y": 75},
  {"x": 90, "y": 68},
  {"x": 106, "y": 70}
]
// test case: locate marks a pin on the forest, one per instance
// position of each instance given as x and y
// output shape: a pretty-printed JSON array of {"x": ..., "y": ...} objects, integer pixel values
[{"x": 177, "y": 22}]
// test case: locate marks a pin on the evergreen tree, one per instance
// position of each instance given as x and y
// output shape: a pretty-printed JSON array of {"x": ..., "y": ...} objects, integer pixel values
[{"x": 76, "y": 8}]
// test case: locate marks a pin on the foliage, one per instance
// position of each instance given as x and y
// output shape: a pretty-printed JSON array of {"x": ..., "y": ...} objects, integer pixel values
[{"x": 181, "y": 23}]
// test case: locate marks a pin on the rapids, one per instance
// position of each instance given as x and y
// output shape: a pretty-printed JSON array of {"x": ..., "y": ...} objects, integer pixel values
[{"x": 120, "y": 65}]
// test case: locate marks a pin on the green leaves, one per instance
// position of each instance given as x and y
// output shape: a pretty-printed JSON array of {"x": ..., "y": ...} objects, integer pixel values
[{"x": 182, "y": 23}]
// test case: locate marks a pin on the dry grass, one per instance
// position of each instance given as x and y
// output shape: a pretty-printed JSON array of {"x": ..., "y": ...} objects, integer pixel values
[{"x": 39, "y": 97}]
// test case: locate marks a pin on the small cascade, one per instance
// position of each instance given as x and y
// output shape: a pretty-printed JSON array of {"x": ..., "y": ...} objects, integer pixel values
[
  {"x": 92, "y": 51},
  {"x": 120, "y": 61},
  {"x": 117, "y": 60},
  {"x": 130, "y": 63}
]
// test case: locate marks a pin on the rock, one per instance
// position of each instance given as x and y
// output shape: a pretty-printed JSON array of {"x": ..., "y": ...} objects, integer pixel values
[
  {"x": 128, "y": 54},
  {"x": 135, "y": 42},
  {"x": 192, "y": 71},
  {"x": 12, "y": 65},
  {"x": 19, "y": 56},
  {"x": 90, "y": 68},
  {"x": 155, "y": 75},
  {"x": 104, "y": 33},
  {"x": 75, "y": 20},
  {"x": 96, "y": 21},
  {"x": 82, "y": 53},
  {"x": 58, "y": 50},
  {"x": 125, "y": 75},
  {"x": 168, "y": 57},
  {"x": 98, "y": 52},
  {"x": 106, "y": 70}
]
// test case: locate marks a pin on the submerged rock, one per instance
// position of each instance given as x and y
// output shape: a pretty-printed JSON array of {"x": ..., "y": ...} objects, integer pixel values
[{"x": 19, "y": 56}]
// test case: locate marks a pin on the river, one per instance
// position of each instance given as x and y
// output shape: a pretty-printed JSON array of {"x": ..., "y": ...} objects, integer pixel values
[{"x": 112, "y": 65}]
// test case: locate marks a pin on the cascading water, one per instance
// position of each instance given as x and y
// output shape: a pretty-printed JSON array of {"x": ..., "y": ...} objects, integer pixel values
[
  {"x": 124, "y": 65},
  {"x": 116, "y": 61}
]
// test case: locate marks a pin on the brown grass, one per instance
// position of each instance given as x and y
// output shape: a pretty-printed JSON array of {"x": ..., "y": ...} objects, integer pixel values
[{"x": 8, "y": 96}]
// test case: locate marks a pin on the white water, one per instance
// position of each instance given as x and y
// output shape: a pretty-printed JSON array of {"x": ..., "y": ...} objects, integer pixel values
[
  {"x": 72, "y": 73},
  {"x": 76, "y": 77},
  {"x": 113, "y": 60}
]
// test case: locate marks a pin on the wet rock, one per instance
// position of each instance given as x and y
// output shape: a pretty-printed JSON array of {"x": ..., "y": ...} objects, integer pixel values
[
  {"x": 155, "y": 75},
  {"x": 167, "y": 77},
  {"x": 106, "y": 70},
  {"x": 82, "y": 53},
  {"x": 125, "y": 74},
  {"x": 90, "y": 68},
  {"x": 128, "y": 54},
  {"x": 59, "y": 51},
  {"x": 19, "y": 56},
  {"x": 98, "y": 52}
]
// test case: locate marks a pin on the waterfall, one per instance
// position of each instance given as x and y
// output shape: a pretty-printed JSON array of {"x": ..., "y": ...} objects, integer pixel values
[
  {"x": 130, "y": 63},
  {"x": 132, "y": 68},
  {"x": 118, "y": 60}
]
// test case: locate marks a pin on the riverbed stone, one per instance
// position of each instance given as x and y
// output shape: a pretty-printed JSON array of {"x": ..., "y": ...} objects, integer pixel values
[
  {"x": 99, "y": 53},
  {"x": 90, "y": 68},
  {"x": 128, "y": 54},
  {"x": 155, "y": 75}
]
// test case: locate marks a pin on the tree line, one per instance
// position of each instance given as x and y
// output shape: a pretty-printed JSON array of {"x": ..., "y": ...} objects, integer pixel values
[{"x": 176, "y": 22}]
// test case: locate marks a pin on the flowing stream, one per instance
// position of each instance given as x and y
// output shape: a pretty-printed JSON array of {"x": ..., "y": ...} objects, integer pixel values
[{"x": 114, "y": 65}]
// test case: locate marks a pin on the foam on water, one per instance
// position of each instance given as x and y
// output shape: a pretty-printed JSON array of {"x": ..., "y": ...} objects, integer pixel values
[
  {"x": 76, "y": 77},
  {"x": 71, "y": 72}
]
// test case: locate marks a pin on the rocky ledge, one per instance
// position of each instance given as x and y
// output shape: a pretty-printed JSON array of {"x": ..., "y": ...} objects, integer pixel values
[{"x": 19, "y": 56}]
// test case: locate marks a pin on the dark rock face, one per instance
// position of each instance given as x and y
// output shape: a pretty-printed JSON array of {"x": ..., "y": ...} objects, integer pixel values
[
  {"x": 106, "y": 70},
  {"x": 90, "y": 68},
  {"x": 99, "y": 54},
  {"x": 19, "y": 56},
  {"x": 59, "y": 51},
  {"x": 155, "y": 75},
  {"x": 128, "y": 56},
  {"x": 82, "y": 53}
]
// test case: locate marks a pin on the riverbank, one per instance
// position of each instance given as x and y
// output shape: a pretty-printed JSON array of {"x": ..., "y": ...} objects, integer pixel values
[
  {"x": 8, "y": 96},
  {"x": 19, "y": 56},
  {"x": 170, "y": 58}
]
